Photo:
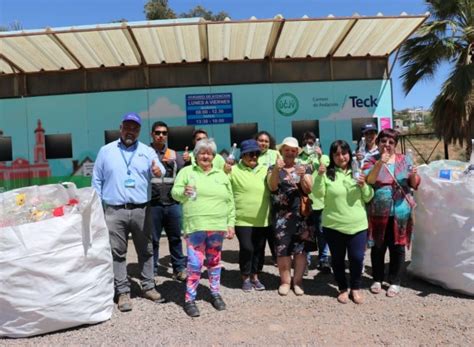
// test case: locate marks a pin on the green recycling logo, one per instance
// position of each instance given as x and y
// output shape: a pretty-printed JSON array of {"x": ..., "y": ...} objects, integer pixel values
[{"x": 287, "y": 104}]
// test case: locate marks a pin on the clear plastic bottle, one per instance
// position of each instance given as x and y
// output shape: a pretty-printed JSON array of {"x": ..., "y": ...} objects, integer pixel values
[
  {"x": 231, "y": 156},
  {"x": 296, "y": 178},
  {"x": 362, "y": 145},
  {"x": 410, "y": 158},
  {"x": 355, "y": 168},
  {"x": 317, "y": 143},
  {"x": 192, "y": 183}
]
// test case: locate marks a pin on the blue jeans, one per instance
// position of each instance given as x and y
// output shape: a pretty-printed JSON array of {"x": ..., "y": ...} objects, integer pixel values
[
  {"x": 354, "y": 246},
  {"x": 323, "y": 247},
  {"x": 169, "y": 218}
]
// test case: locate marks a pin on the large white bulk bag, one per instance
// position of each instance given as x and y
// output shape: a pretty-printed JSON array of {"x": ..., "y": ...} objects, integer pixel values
[
  {"x": 56, "y": 273},
  {"x": 443, "y": 244}
]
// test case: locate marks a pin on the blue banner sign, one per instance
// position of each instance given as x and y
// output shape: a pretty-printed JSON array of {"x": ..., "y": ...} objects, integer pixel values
[{"x": 202, "y": 109}]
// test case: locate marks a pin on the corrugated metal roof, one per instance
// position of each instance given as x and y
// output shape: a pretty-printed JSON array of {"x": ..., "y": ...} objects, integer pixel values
[{"x": 194, "y": 40}]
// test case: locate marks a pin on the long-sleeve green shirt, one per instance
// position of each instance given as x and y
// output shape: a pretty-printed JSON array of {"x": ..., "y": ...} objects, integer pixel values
[
  {"x": 318, "y": 203},
  {"x": 344, "y": 202},
  {"x": 251, "y": 195},
  {"x": 213, "y": 208}
]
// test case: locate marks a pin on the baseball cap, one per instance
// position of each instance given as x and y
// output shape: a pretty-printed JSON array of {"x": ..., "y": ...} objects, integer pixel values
[
  {"x": 368, "y": 127},
  {"x": 132, "y": 117}
]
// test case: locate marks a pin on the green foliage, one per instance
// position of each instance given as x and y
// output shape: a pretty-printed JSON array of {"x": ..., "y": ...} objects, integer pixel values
[
  {"x": 200, "y": 11},
  {"x": 447, "y": 37},
  {"x": 158, "y": 9}
]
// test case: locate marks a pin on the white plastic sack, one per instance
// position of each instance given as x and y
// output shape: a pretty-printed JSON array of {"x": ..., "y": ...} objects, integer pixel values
[
  {"x": 56, "y": 273},
  {"x": 443, "y": 244}
]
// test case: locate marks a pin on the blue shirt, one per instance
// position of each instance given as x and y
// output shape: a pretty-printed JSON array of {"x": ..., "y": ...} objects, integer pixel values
[{"x": 111, "y": 173}]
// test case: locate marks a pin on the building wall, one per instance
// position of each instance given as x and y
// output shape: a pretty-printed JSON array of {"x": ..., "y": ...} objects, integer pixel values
[{"x": 337, "y": 106}]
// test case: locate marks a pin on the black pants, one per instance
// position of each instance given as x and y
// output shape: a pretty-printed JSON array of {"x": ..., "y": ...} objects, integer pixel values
[
  {"x": 354, "y": 246},
  {"x": 397, "y": 257},
  {"x": 252, "y": 249}
]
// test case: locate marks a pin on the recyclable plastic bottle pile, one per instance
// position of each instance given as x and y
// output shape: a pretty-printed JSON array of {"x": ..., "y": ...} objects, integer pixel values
[{"x": 37, "y": 203}]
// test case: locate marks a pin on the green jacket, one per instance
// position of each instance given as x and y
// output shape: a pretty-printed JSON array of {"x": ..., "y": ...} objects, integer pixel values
[
  {"x": 344, "y": 202},
  {"x": 251, "y": 195},
  {"x": 213, "y": 208}
]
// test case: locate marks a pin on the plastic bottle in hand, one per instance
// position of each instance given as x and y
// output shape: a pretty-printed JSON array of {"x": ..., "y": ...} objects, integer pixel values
[
  {"x": 295, "y": 177},
  {"x": 355, "y": 168},
  {"x": 409, "y": 156},
  {"x": 362, "y": 145},
  {"x": 231, "y": 156},
  {"x": 192, "y": 183},
  {"x": 317, "y": 143}
]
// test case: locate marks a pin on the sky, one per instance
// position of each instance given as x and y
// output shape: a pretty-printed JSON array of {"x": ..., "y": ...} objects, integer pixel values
[{"x": 39, "y": 14}]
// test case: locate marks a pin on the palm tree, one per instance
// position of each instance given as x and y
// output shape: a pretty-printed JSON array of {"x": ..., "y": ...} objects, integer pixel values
[{"x": 447, "y": 37}]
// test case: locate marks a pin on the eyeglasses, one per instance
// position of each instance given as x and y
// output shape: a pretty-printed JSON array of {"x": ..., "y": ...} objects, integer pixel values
[
  {"x": 252, "y": 154},
  {"x": 390, "y": 142},
  {"x": 158, "y": 133}
]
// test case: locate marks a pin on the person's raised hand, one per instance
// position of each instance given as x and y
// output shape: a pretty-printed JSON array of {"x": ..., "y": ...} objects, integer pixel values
[
  {"x": 322, "y": 169},
  {"x": 155, "y": 169},
  {"x": 186, "y": 156},
  {"x": 361, "y": 180},
  {"x": 385, "y": 155}
]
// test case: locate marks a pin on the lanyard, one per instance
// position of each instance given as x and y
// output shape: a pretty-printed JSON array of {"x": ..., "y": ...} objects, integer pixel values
[{"x": 129, "y": 161}]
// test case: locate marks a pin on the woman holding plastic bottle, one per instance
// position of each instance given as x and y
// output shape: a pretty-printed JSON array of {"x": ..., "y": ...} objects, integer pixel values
[
  {"x": 289, "y": 183},
  {"x": 392, "y": 175},
  {"x": 344, "y": 219},
  {"x": 205, "y": 193}
]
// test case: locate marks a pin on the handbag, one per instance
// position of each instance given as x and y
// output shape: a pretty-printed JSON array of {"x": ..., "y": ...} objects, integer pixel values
[{"x": 305, "y": 204}]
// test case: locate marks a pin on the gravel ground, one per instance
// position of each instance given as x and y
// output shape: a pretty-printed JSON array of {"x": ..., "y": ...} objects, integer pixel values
[{"x": 422, "y": 315}]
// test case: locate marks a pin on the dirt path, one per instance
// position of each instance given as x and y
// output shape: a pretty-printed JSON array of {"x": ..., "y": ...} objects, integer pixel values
[{"x": 423, "y": 314}]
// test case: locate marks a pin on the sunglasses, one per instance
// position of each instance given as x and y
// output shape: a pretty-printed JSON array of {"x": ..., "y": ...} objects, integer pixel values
[
  {"x": 390, "y": 142},
  {"x": 158, "y": 133},
  {"x": 252, "y": 154}
]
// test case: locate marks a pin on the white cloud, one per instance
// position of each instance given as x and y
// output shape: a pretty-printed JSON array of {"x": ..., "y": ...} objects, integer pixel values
[
  {"x": 163, "y": 108},
  {"x": 349, "y": 112}
]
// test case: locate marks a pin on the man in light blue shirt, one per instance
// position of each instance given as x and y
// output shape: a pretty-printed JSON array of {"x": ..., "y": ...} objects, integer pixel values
[{"x": 122, "y": 173}]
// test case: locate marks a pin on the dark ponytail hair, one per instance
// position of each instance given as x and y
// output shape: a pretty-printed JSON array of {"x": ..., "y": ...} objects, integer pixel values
[{"x": 345, "y": 148}]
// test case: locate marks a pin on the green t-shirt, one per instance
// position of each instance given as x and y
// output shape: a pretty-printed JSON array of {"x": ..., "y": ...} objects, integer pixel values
[
  {"x": 318, "y": 203},
  {"x": 251, "y": 195},
  {"x": 213, "y": 208},
  {"x": 268, "y": 158},
  {"x": 344, "y": 202}
]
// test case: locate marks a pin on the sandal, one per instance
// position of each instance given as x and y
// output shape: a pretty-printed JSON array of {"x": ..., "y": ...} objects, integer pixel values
[
  {"x": 393, "y": 290},
  {"x": 376, "y": 287}
]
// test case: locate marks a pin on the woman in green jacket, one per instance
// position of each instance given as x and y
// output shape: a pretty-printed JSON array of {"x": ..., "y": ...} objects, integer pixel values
[
  {"x": 252, "y": 209},
  {"x": 344, "y": 217},
  {"x": 206, "y": 195}
]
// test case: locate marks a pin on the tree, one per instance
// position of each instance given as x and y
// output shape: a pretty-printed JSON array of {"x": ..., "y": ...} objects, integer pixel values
[
  {"x": 200, "y": 11},
  {"x": 14, "y": 26},
  {"x": 447, "y": 37},
  {"x": 158, "y": 9}
]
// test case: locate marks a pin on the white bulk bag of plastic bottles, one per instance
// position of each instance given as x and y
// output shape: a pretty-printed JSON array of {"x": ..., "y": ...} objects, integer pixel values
[
  {"x": 55, "y": 273},
  {"x": 443, "y": 244}
]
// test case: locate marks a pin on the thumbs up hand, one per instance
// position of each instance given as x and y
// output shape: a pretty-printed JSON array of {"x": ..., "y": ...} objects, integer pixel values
[
  {"x": 385, "y": 155},
  {"x": 186, "y": 156},
  {"x": 155, "y": 169},
  {"x": 322, "y": 169}
]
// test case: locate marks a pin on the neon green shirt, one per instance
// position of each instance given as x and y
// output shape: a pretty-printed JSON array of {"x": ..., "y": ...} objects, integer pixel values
[
  {"x": 213, "y": 208},
  {"x": 318, "y": 203},
  {"x": 268, "y": 158},
  {"x": 251, "y": 195},
  {"x": 344, "y": 202}
]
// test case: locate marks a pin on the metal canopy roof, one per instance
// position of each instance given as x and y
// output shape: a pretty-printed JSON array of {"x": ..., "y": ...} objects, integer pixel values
[{"x": 195, "y": 40}]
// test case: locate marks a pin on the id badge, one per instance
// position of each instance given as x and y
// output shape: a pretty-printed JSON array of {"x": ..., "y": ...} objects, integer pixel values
[{"x": 129, "y": 183}]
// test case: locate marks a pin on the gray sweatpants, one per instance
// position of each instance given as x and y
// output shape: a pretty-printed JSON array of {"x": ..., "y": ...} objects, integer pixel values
[{"x": 138, "y": 222}]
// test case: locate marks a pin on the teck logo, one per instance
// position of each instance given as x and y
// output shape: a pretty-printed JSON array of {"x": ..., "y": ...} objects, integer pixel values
[
  {"x": 359, "y": 102},
  {"x": 287, "y": 104}
]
